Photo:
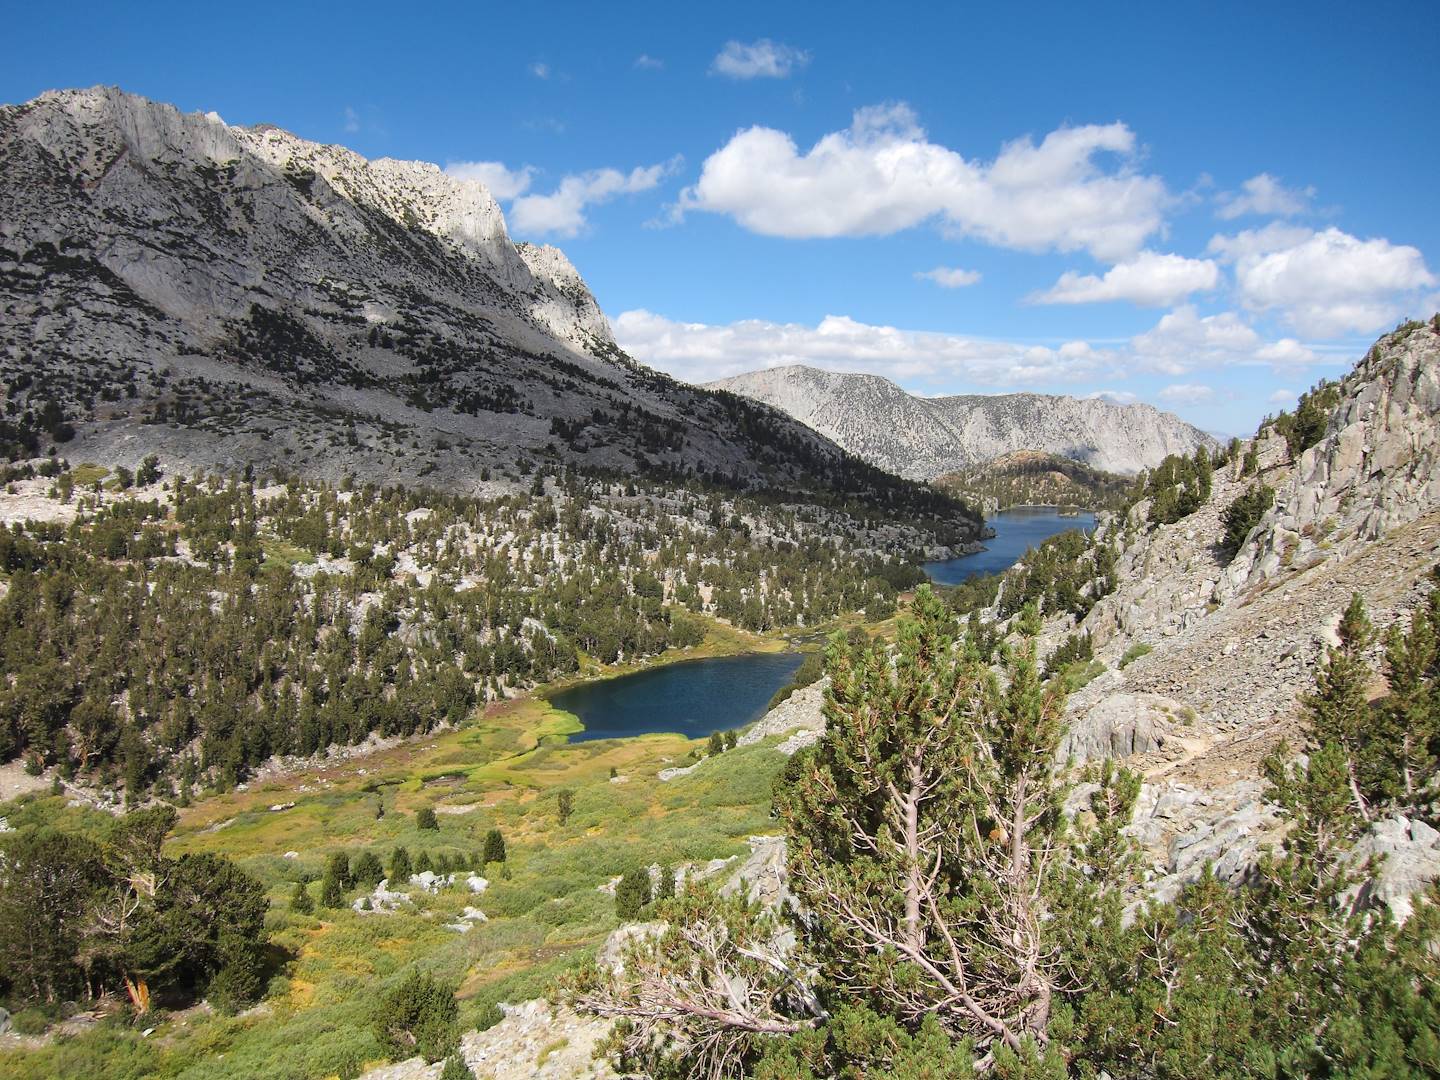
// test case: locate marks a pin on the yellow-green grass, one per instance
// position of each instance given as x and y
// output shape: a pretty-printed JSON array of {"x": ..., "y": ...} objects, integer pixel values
[
  {"x": 283, "y": 553},
  {"x": 88, "y": 473},
  {"x": 545, "y": 910}
]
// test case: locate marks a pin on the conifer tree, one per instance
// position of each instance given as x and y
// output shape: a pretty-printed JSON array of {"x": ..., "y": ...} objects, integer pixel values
[
  {"x": 1407, "y": 727},
  {"x": 632, "y": 893},
  {"x": 1339, "y": 709},
  {"x": 300, "y": 901},
  {"x": 494, "y": 851},
  {"x": 400, "y": 870},
  {"x": 367, "y": 870},
  {"x": 425, "y": 818},
  {"x": 332, "y": 891},
  {"x": 419, "y": 1016}
]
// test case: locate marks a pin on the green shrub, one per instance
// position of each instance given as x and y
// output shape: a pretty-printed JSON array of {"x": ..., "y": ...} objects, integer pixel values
[
  {"x": 633, "y": 893},
  {"x": 425, "y": 818},
  {"x": 1134, "y": 653},
  {"x": 418, "y": 1017},
  {"x": 456, "y": 1069},
  {"x": 494, "y": 847},
  {"x": 1242, "y": 515},
  {"x": 32, "y": 1021}
]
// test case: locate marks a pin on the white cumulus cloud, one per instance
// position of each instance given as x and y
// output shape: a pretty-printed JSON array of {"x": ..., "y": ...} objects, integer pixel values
[
  {"x": 1149, "y": 279},
  {"x": 763, "y": 59},
  {"x": 1183, "y": 340},
  {"x": 504, "y": 183},
  {"x": 562, "y": 212},
  {"x": 1325, "y": 283},
  {"x": 700, "y": 352},
  {"x": 1263, "y": 194},
  {"x": 1078, "y": 189},
  {"x": 949, "y": 277}
]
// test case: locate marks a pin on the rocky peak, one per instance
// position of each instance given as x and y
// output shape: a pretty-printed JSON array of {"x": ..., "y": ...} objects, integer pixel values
[{"x": 927, "y": 437}]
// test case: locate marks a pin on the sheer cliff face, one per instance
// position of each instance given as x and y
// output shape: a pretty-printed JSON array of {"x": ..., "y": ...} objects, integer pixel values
[
  {"x": 221, "y": 294},
  {"x": 926, "y": 437}
]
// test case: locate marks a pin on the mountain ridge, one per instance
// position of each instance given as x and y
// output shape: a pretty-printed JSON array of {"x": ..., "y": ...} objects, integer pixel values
[
  {"x": 922, "y": 438},
  {"x": 224, "y": 295}
]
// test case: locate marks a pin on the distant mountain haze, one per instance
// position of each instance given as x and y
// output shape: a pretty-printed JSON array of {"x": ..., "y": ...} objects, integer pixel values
[{"x": 923, "y": 438}]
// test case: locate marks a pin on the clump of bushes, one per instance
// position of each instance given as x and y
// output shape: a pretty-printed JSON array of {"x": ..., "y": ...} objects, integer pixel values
[{"x": 1242, "y": 515}]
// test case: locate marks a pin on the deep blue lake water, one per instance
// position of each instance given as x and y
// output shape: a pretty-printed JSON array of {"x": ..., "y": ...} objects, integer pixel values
[
  {"x": 693, "y": 698},
  {"x": 1016, "y": 531}
]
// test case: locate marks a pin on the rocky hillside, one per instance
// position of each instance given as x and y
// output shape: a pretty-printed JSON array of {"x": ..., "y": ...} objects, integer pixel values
[
  {"x": 219, "y": 295},
  {"x": 927, "y": 437},
  {"x": 1201, "y": 660}
]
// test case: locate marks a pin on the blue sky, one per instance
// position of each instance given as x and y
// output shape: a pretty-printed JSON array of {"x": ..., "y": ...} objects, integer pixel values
[{"x": 1208, "y": 209}]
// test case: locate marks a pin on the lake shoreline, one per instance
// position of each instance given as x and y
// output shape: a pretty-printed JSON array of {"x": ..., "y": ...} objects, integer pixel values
[{"x": 1016, "y": 530}]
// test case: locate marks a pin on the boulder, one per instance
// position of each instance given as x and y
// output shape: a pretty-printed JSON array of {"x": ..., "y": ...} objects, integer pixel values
[{"x": 1119, "y": 726}]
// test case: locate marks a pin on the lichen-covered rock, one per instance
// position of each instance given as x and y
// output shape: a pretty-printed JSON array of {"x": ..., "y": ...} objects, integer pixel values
[
  {"x": 1408, "y": 853},
  {"x": 1120, "y": 726}
]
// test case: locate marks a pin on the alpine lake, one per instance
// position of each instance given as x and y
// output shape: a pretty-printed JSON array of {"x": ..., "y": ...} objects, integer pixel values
[{"x": 697, "y": 697}]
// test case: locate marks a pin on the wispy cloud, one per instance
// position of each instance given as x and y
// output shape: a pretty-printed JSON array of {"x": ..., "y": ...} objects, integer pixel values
[
  {"x": 646, "y": 62},
  {"x": 763, "y": 59},
  {"x": 562, "y": 211},
  {"x": 949, "y": 277},
  {"x": 1263, "y": 194},
  {"x": 540, "y": 69}
]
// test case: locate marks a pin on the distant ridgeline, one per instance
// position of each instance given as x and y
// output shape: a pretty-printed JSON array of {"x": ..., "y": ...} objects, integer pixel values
[{"x": 180, "y": 634}]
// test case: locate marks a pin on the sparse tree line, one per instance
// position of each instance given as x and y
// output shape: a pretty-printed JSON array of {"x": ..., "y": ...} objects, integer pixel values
[
  {"x": 962, "y": 909},
  {"x": 1036, "y": 480},
  {"x": 168, "y": 645},
  {"x": 345, "y": 873}
]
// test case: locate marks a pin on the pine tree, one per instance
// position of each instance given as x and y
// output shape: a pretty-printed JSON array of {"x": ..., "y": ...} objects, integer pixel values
[
  {"x": 564, "y": 804},
  {"x": 400, "y": 870},
  {"x": 419, "y": 1016},
  {"x": 368, "y": 872},
  {"x": 1407, "y": 728},
  {"x": 332, "y": 891},
  {"x": 921, "y": 828},
  {"x": 632, "y": 893},
  {"x": 1339, "y": 709},
  {"x": 456, "y": 1069},
  {"x": 494, "y": 851},
  {"x": 338, "y": 866},
  {"x": 665, "y": 887},
  {"x": 425, "y": 818},
  {"x": 300, "y": 901}
]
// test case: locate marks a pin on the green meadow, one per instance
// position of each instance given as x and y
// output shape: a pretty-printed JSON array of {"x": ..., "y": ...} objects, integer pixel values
[{"x": 502, "y": 770}]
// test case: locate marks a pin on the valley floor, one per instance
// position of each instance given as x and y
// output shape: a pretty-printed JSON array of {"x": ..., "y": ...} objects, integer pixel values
[{"x": 547, "y": 907}]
